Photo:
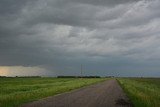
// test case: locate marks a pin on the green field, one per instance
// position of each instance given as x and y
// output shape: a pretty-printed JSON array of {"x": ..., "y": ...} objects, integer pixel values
[
  {"x": 143, "y": 92},
  {"x": 17, "y": 91}
]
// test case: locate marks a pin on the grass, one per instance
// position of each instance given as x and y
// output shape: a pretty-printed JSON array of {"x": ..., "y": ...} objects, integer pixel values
[
  {"x": 143, "y": 92},
  {"x": 17, "y": 91}
]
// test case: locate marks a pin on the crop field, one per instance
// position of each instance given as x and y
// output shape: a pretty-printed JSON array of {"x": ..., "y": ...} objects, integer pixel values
[
  {"x": 143, "y": 92},
  {"x": 17, "y": 91}
]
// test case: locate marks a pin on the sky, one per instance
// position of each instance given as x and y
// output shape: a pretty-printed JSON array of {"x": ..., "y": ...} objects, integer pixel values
[{"x": 54, "y": 37}]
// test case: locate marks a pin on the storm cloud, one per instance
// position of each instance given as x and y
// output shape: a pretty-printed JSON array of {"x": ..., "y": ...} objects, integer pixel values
[{"x": 109, "y": 37}]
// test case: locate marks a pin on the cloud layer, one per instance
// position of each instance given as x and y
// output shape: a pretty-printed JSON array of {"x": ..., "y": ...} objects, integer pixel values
[{"x": 109, "y": 37}]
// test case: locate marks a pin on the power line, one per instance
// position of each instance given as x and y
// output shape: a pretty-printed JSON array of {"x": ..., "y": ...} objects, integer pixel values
[{"x": 81, "y": 70}]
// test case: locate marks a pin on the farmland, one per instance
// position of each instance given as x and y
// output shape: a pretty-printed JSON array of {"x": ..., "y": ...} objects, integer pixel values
[
  {"x": 17, "y": 91},
  {"x": 143, "y": 92}
]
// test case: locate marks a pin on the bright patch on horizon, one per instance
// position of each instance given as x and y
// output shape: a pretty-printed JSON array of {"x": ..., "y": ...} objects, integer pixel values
[
  {"x": 4, "y": 71},
  {"x": 22, "y": 71}
]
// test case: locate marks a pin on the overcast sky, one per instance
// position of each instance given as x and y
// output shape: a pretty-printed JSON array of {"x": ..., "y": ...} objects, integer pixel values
[{"x": 54, "y": 37}]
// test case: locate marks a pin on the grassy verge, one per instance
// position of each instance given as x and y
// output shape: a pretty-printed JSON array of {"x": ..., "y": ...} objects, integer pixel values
[
  {"x": 143, "y": 92},
  {"x": 16, "y": 91}
]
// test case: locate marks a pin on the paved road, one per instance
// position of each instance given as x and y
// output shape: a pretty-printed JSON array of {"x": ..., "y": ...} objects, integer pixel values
[{"x": 106, "y": 94}]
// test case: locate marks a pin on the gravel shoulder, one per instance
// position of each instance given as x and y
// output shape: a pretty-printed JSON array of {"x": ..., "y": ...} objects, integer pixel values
[{"x": 105, "y": 94}]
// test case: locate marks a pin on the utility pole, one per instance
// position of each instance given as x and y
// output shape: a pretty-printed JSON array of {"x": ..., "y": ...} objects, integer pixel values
[{"x": 81, "y": 70}]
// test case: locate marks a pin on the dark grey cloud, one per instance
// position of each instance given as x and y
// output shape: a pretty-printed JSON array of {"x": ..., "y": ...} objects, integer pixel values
[
  {"x": 109, "y": 37},
  {"x": 104, "y": 2}
]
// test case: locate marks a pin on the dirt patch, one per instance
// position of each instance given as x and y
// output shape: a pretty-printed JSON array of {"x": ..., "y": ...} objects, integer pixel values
[{"x": 123, "y": 102}]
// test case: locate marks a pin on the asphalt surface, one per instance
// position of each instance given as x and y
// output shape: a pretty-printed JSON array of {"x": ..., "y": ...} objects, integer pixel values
[{"x": 105, "y": 94}]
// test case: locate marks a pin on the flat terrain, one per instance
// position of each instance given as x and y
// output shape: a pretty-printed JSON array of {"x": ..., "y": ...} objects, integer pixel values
[
  {"x": 17, "y": 91},
  {"x": 143, "y": 92},
  {"x": 93, "y": 92},
  {"x": 106, "y": 94}
]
